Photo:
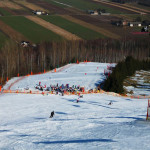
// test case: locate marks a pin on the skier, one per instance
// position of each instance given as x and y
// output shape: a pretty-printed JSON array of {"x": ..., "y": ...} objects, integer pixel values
[
  {"x": 52, "y": 114},
  {"x": 78, "y": 100},
  {"x": 110, "y": 103}
]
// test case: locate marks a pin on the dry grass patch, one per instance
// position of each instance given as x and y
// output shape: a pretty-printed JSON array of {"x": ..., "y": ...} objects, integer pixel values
[
  {"x": 9, "y": 4},
  {"x": 30, "y": 5},
  {"x": 139, "y": 75},
  {"x": 67, "y": 35},
  {"x": 92, "y": 27},
  {"x": 129, "y": 82},
  {"x": 145, "y": 75}
]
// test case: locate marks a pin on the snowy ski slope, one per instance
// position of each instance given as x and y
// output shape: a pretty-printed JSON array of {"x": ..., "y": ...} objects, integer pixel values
[
  {"x": 91, "y": 124},
  {"x": 84, "y": 74}
]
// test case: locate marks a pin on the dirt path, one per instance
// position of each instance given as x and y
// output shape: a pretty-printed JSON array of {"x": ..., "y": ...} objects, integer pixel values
[
  {"x": 54, "y": 28},
  {"x": 92, "y": 27},
  {"x": 120, "y": 6},
  {"x": 11, "y": 32}
]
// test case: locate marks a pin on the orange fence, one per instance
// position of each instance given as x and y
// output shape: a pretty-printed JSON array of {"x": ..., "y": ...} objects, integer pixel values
[{"x": 75, "y": 93}]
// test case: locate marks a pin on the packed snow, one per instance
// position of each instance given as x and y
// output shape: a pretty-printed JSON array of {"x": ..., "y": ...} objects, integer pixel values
[
  {"x": 91, "y": 124},
  {"x": 87, "y": 75}
]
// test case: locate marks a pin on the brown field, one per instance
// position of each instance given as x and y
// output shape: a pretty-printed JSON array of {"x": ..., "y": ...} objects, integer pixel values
[
  {"x": 120, "y": 6},
  {"x": 21, "y": 12},
  {"x": 133, "y": 7},
  {"x": 30, "y": 5},
  {"x": 67, "y": 35},
  {"x": 11, "y": 32},
  {"x": 91, "y": 26},
  {"x": 53, "y": 8},
  {"x": 9, "y": 4},
  {"x": 10, "y": 10}
]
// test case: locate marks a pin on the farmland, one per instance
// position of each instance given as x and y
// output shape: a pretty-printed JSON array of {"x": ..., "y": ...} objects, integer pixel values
[
  {"x": 102, "y": 22},
  {"x": 10, "y": 32},
  {"x": 74, "y": 28},
  {"x": 30, "y": 30},
  {"x": 67, "y": 35},
  {"x": 3, "y": 12},
  {"x": 9, "y": 4},
  {"x": 85, "y": 5},
  {"x": 135, "y": 5},
  {"x": 131, "y": 10},
  {"x": 69, "y": 17},
  {"x": 29, "y": 6}
]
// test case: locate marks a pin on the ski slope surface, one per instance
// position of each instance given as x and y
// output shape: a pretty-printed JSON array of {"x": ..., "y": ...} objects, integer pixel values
[
  {"x": 87, "y": 75},
  {"x": 91, "y": 124}
]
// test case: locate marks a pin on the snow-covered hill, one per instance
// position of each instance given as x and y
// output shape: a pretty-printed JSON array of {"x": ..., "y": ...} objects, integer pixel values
[
  {"x": 91, "y": 124},
  {"x": 83, "y": 74}
]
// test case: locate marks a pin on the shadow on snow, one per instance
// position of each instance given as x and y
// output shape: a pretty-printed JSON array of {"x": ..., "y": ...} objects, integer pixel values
[
  {"x": 74, "y": 141},
  {"x": 62, "y": 113},
  {"x": 4, "y": 131},
  {"x": 88, "y": 102}
]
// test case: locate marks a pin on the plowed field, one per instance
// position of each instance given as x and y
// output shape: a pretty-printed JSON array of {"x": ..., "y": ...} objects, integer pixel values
[
  {"x": 13, "y": 34},
  {"x": 54, "y": 28},
  {"x": 30, "y": 5},
  {"x": 91, "y": 26}
]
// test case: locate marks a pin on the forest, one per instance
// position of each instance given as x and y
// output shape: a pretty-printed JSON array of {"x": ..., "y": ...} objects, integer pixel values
[
  {"x": 16, "y": 60},
  {"x": 114, "y": 82}
]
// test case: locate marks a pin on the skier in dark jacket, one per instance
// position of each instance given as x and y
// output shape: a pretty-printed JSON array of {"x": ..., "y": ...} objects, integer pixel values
[
  {"x": 52, "y": 114},
  {"x": 110, "y": 103}
]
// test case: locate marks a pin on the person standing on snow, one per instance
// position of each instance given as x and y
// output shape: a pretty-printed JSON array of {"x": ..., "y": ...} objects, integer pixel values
[{"x": 52, "y": 114}]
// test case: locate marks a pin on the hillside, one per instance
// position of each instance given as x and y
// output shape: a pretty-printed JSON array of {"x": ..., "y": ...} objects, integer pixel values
[
  {"x": 73, "y": 17},
  {"x": 89, "y": 124}
]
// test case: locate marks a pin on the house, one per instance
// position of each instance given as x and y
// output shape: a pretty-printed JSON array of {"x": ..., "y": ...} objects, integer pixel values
[
  {"x": 124, "y": 23},
  {"x": 135, "y": 24},
  {"x": 25, "y": 43},
  {"x": 93, "y": 12},
  {"x": 119, "y": 22},
  {"x": 39, "y": 12},
  {"x": 116, "y": 22}
]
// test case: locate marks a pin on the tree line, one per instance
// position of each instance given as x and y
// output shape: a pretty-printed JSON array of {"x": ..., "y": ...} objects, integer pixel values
[
  {"x": 114, "y": 82},
  {"x": 15, "y": 59}
]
